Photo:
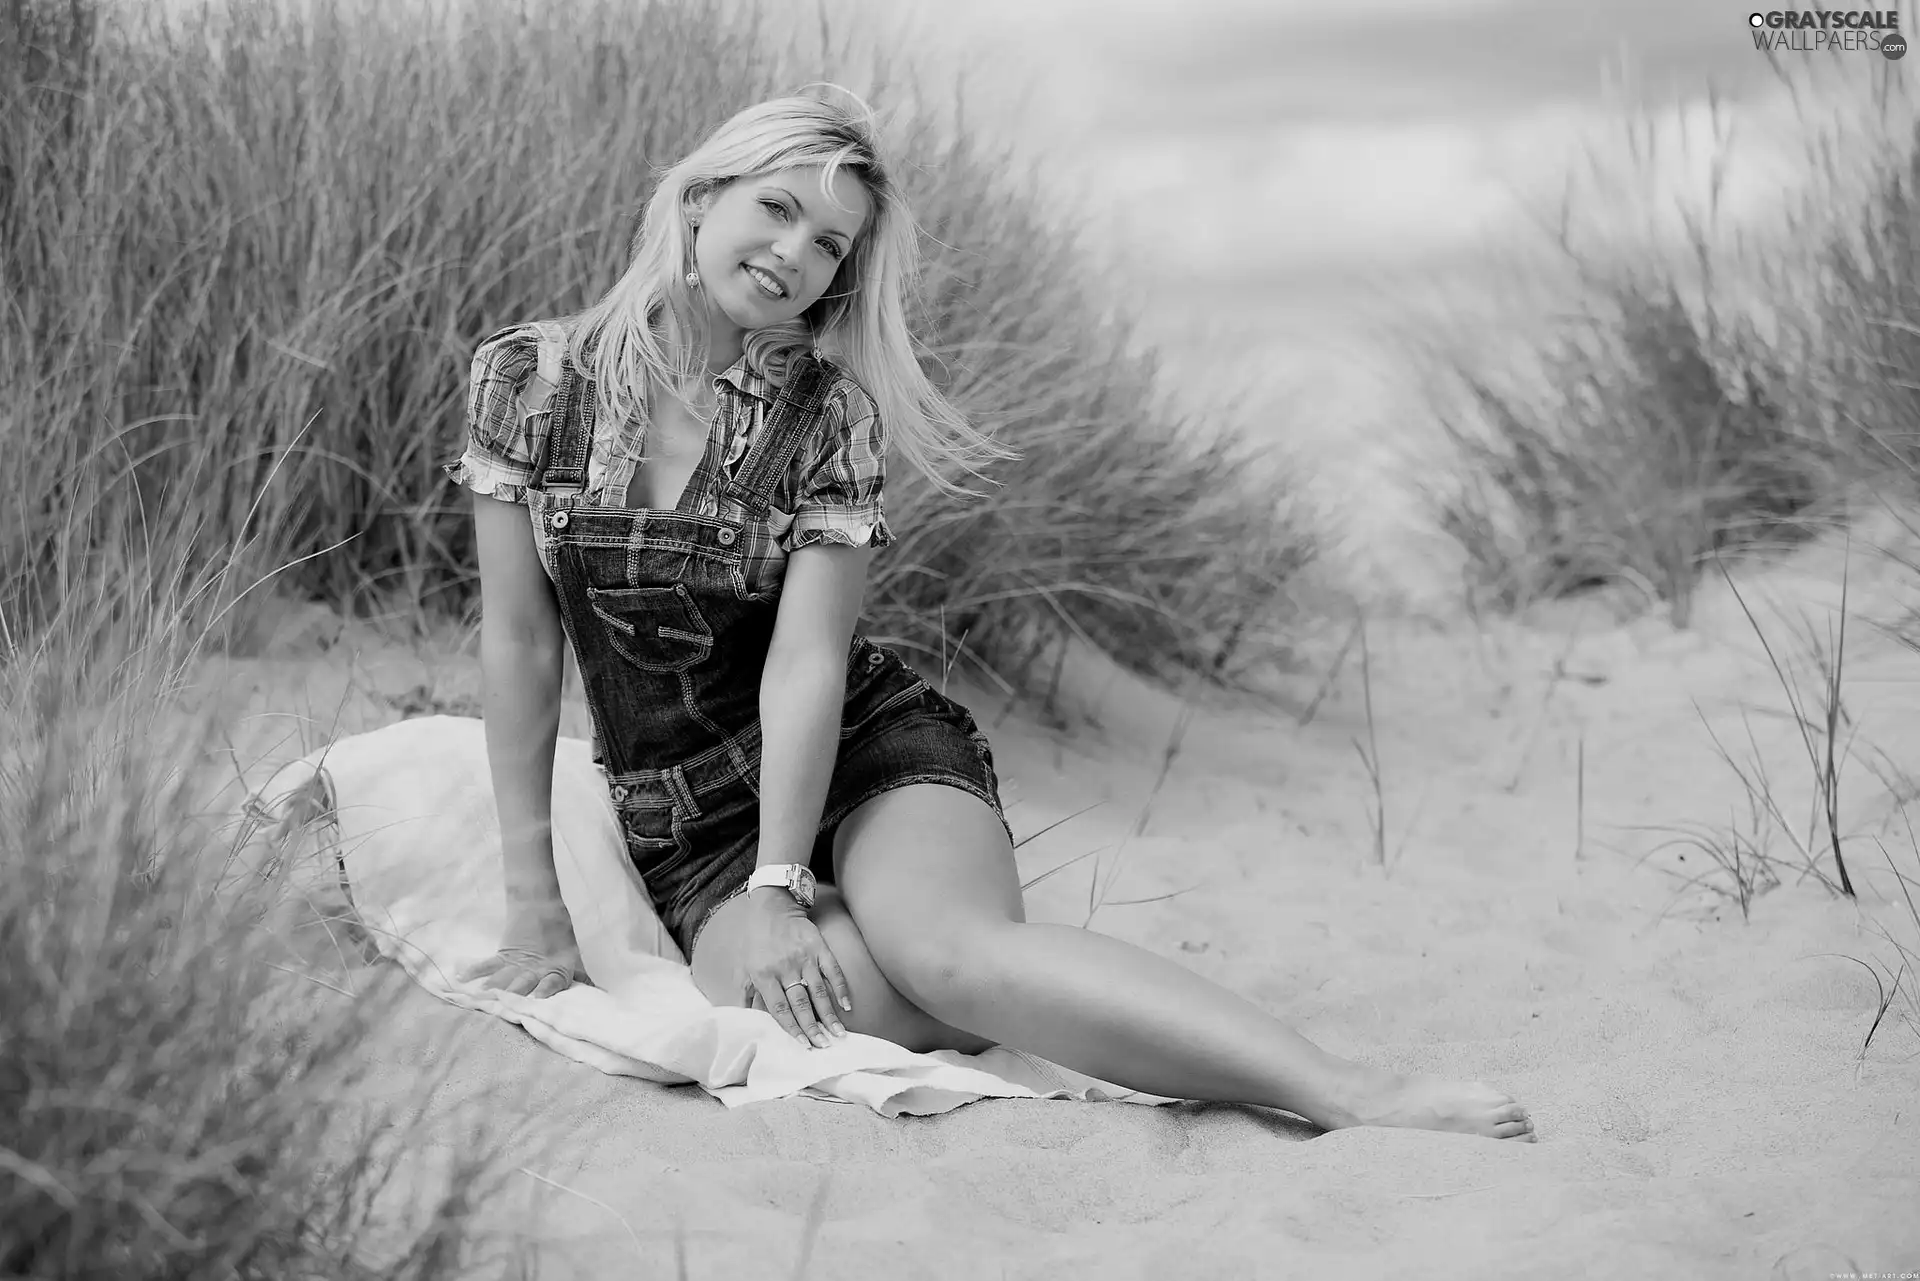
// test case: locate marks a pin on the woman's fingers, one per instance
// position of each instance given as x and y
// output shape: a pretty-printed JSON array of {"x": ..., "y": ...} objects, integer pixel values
[
  {"x": 822, "y": 1000},
  {"x": 806, "y": 993},
  {"x": 775, "y": 1000},
  {"x": 799, "y": 994},
  {"x": 842, "y": 991},
  {"x": 504, "y": 974},
  {"x": 512, "y": 978},
  {"x": 481, "y": 969}
]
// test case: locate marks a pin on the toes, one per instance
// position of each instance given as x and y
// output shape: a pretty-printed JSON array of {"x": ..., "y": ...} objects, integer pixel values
[{"x": 1512, "y": 1122}]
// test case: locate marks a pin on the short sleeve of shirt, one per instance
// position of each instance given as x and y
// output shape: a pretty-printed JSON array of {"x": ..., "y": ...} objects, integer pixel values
[
  {"x": 838, "y": 497},
  {"x": 502, "y": 440}
]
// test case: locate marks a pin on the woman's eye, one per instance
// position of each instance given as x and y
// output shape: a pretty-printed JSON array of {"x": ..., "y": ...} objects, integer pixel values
[{"x": 831, "y": 246}]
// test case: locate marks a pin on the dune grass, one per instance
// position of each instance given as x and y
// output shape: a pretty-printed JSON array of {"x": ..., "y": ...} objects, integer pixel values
[
  {"x": 1745, "y": 859},
  {"x": 1647, "y": 461},
  {"x": 1693, "y": 400},
  {"x": 184, "y": 1091},
  {"x": 248, "y": 279}
]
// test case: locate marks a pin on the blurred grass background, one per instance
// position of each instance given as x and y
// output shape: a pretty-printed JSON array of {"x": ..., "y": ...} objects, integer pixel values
[{"x": 1723, "y": 392}]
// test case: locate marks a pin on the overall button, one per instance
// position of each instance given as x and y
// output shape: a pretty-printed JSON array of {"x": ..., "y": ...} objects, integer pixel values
[
  {"x": 620, "y": 792},
  {"x": 558, "y": 520},
  {"x": 726, "y": 537},
  {"x": 876, "y": 658}
]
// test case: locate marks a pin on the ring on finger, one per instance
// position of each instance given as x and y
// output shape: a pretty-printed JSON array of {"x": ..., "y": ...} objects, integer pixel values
[{"x": 800, "y": 1011}]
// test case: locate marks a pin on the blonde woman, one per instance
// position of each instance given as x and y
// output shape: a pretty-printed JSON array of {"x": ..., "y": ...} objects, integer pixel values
[{"x": 701, "y": 457}]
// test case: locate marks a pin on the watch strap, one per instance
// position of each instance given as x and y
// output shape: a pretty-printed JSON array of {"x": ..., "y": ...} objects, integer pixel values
[{"x": 785, "y": 876}]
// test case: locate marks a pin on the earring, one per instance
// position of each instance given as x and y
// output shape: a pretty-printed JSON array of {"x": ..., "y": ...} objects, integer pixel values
[{"x": 693, "y": 280}]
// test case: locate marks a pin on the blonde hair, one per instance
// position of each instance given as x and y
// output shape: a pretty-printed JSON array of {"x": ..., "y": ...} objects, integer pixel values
[{"x": 640, "y": 330}]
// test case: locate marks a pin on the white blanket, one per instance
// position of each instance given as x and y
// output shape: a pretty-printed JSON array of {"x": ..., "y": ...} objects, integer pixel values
[{"x": 409, "y": 811}]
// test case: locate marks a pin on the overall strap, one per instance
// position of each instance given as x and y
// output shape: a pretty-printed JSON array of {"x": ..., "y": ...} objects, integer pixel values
[
  {"x": 793, "y": 415},
  {"x": 562, "y": 464}
]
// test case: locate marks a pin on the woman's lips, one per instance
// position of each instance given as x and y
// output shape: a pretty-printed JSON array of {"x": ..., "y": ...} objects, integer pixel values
[{"x": 764, "y": 279}]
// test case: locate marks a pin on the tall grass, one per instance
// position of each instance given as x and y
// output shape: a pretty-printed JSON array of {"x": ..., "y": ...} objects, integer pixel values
[
  {"x": 1648, "y": 456},
  {"x": 183, "y": 1091},
  {"x": 1857, "y": 346},
  {"x": 1686, "y": 401},
  {"x": 250, "y": 248}
]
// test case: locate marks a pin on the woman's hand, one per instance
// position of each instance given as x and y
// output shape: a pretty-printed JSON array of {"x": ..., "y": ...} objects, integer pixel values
[
  {"x": 538, "y": 955},
  {"x": 786, "y": 968}
]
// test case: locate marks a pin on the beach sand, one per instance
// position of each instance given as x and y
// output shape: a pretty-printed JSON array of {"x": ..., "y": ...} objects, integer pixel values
[{"x": 1698, "y": 1083}]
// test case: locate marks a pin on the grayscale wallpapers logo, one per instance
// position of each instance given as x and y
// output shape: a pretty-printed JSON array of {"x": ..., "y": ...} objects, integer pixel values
[
  {"x": 1829, "y": 31},
  {"x": 1823, "y": 31}
]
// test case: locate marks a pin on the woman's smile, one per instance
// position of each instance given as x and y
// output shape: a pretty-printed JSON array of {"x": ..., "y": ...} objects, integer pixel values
[{"x": 768, "y": 283}]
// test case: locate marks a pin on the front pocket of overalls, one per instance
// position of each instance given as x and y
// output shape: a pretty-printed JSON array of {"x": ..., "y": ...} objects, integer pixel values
[
  {"x": 655, "y": 842},
  {"x": 658, "y": 629},
  {"x": 879, "y": 700}
]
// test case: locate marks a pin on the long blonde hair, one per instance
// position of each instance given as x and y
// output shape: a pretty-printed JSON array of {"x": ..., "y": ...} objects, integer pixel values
[{"x": 860, "y": 322}]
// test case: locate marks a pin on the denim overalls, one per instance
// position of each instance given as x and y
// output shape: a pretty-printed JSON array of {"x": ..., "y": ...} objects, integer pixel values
[{"x": 671, "y": 644}]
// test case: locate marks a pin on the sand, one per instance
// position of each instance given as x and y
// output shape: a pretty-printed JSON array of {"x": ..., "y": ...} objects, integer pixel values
[{"x": 1704, "y": 1104}]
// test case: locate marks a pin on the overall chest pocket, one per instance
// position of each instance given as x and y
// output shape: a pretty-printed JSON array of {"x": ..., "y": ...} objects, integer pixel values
[{"x": 658, "y": 629}]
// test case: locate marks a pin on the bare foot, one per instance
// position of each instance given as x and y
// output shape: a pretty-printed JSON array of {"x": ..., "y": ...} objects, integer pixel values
[{"x": 1435, "y": 1103}]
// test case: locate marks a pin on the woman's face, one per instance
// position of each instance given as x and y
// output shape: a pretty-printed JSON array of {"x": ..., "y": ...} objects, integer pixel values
[{"x": 768, "y": 246}]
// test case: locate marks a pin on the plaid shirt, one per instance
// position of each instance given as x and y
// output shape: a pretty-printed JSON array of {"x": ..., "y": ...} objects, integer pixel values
[{"x": 831, "y": 494}]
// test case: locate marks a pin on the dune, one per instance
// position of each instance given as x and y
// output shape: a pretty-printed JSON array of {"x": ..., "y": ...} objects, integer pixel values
[{"x": 1705, "y": 1105}]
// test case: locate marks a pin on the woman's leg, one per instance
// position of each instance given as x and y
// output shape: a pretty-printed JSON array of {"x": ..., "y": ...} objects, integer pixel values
[
  {"x": 878, "y": 1010},
  {"x": 929, "y": 877}
]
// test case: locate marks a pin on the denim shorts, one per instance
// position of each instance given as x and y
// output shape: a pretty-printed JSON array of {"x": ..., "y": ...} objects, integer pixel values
[{"x": 697, "y": 851}]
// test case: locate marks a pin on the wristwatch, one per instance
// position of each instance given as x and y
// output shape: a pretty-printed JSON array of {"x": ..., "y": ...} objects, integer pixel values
[{"x": 795, "y": 878}]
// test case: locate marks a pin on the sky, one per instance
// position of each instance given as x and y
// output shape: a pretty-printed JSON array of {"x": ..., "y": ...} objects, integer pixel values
[
  {"x": 1272, "y": 175},
  {"x": 1272, "y": 140}
]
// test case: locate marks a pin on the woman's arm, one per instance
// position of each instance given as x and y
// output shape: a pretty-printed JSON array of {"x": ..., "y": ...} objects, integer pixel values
[
  {"x": 802, "y": 693},
  {"x": 522, "y": 658}
]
